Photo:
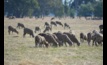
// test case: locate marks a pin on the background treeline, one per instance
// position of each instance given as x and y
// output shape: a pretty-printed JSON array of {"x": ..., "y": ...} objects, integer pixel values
[{"x": 58, "y": 8}]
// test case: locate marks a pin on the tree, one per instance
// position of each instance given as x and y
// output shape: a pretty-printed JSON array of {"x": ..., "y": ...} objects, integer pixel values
[
  {"x": 20, "y": 8},
  {"x": 98, "y": 9},
  {"x": 86, "y": 9}
]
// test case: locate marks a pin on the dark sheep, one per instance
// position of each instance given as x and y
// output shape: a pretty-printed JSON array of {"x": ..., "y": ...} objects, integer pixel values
[
  {"x": 52, "y": 18},
  {"x": 83, "y": 37},
  {"x": 48, "y": 28},
  {"x": 101, "y": 31},
  {"x": 101, "y": 27},
  {"x": 40, "y": 40},
  {"x": 63, "y": 38},
  {"x": 20, "y": 25},
  {"x": 28, "y": 31},
  {"x": 10, "y": 28},
  {"x": 72, "y": 38},
  {"x": 57, "y": 22},
  {"x": 56, "y": 38},
  {"x": 50, "y": 39},
  {"x": 53, "y": 23},
  {"x": 97, "y": 38},
  {"x": 46, "y": 24},
  {"x": 37, "y": 29},
  {"x": 89, "y": 37},
  {"x": 66, "y": 25}
]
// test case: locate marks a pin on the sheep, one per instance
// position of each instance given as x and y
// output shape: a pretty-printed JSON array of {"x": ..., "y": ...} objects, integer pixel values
[
  {"x": 83, "y": 37},
  {"x": 56, "y": 38},
  {"x": 10, "y": 28},
  {"x": 20, "y": 25},
  {"x": 63, "y": 38},
  {"x": 40, "y": 40},
  {"x": 57, "y": 22},
  {"x": 66, "y": 25},
  {"x": 101, "y": 27},
  {"x": 53, "y": 23},
  {"x": 37, "y": 29},
  {"x": 101, "y": 31},
  {"x": 46, "y": 24},
  {"x": 89, "y": 37},
  {"x": 72, "y": 38},
  {"x": 97, "y": 37},
  {"x": 50, "y": 39},
  {"x": 47, "y": 29},
  {"x": 52, "y": 18},
  {"x": 28, "y": 31}
]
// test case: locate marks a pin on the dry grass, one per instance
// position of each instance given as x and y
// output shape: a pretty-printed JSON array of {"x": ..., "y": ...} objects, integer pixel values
[{"x": 21, "y": 51}]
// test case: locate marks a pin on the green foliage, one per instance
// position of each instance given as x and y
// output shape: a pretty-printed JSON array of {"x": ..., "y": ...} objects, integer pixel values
[
  {"x": 41, "y": 8},
  {"x": 72, "y": 12},
  {"x": 98, "y": 9},
  {"x": 86, "y": 9},
  {"x": 21, "y": 8}
]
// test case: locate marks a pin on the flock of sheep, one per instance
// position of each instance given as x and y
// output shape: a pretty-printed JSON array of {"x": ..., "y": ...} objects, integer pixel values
[{"x": 58, "y": 39}]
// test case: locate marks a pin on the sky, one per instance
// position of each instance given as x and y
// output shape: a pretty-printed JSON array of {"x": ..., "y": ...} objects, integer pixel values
[{"x": 67, "y": 1}]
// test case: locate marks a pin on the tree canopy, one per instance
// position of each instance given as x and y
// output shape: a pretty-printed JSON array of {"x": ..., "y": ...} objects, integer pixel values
[{"x": 41, "y": 8}]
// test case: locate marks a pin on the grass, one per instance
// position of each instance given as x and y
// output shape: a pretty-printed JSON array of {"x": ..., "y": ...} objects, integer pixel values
[{"x": 21, "y": 51}]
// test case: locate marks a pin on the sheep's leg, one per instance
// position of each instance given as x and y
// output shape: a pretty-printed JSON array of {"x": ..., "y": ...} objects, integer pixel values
[
  {"x": 96, "y": 43},
  {"x": 24, "y": 34},
  {"x": 93, "y": 43}
]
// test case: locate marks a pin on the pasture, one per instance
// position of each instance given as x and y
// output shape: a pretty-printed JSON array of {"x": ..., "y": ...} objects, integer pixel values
[{"x": 22, "y": 51}]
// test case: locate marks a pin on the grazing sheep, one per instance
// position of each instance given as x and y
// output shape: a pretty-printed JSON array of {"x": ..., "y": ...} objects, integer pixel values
[
  {"x": 56, "y": 38},
  {"x": 50, "y": 39},
  {"x": 101, "y": 31},
  {"x": 28, "y": 31},
  {"x": 83, "y": 37},
  {"x": 20, "y": 25},
  {"x": 89, "y": 37},
  {"x": 57, "y": 22},
  {"x": 47, "y": 29},
  {"x": 46, "y": 24},
  {"x": 101, "y": 27},
  {"x": 63, "y": 38},
  {"x": 10, "y": 28},
  {"x": 53, "y": 23},
  {"x": 72, "y": 38},
  {"x": 37, "y": 29},
  {"x": 40, "y": 40},
  {"x": 97, "y": 37},
  {"x": 66, "y": 25},
  {"x": 52, "y": 18}
]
